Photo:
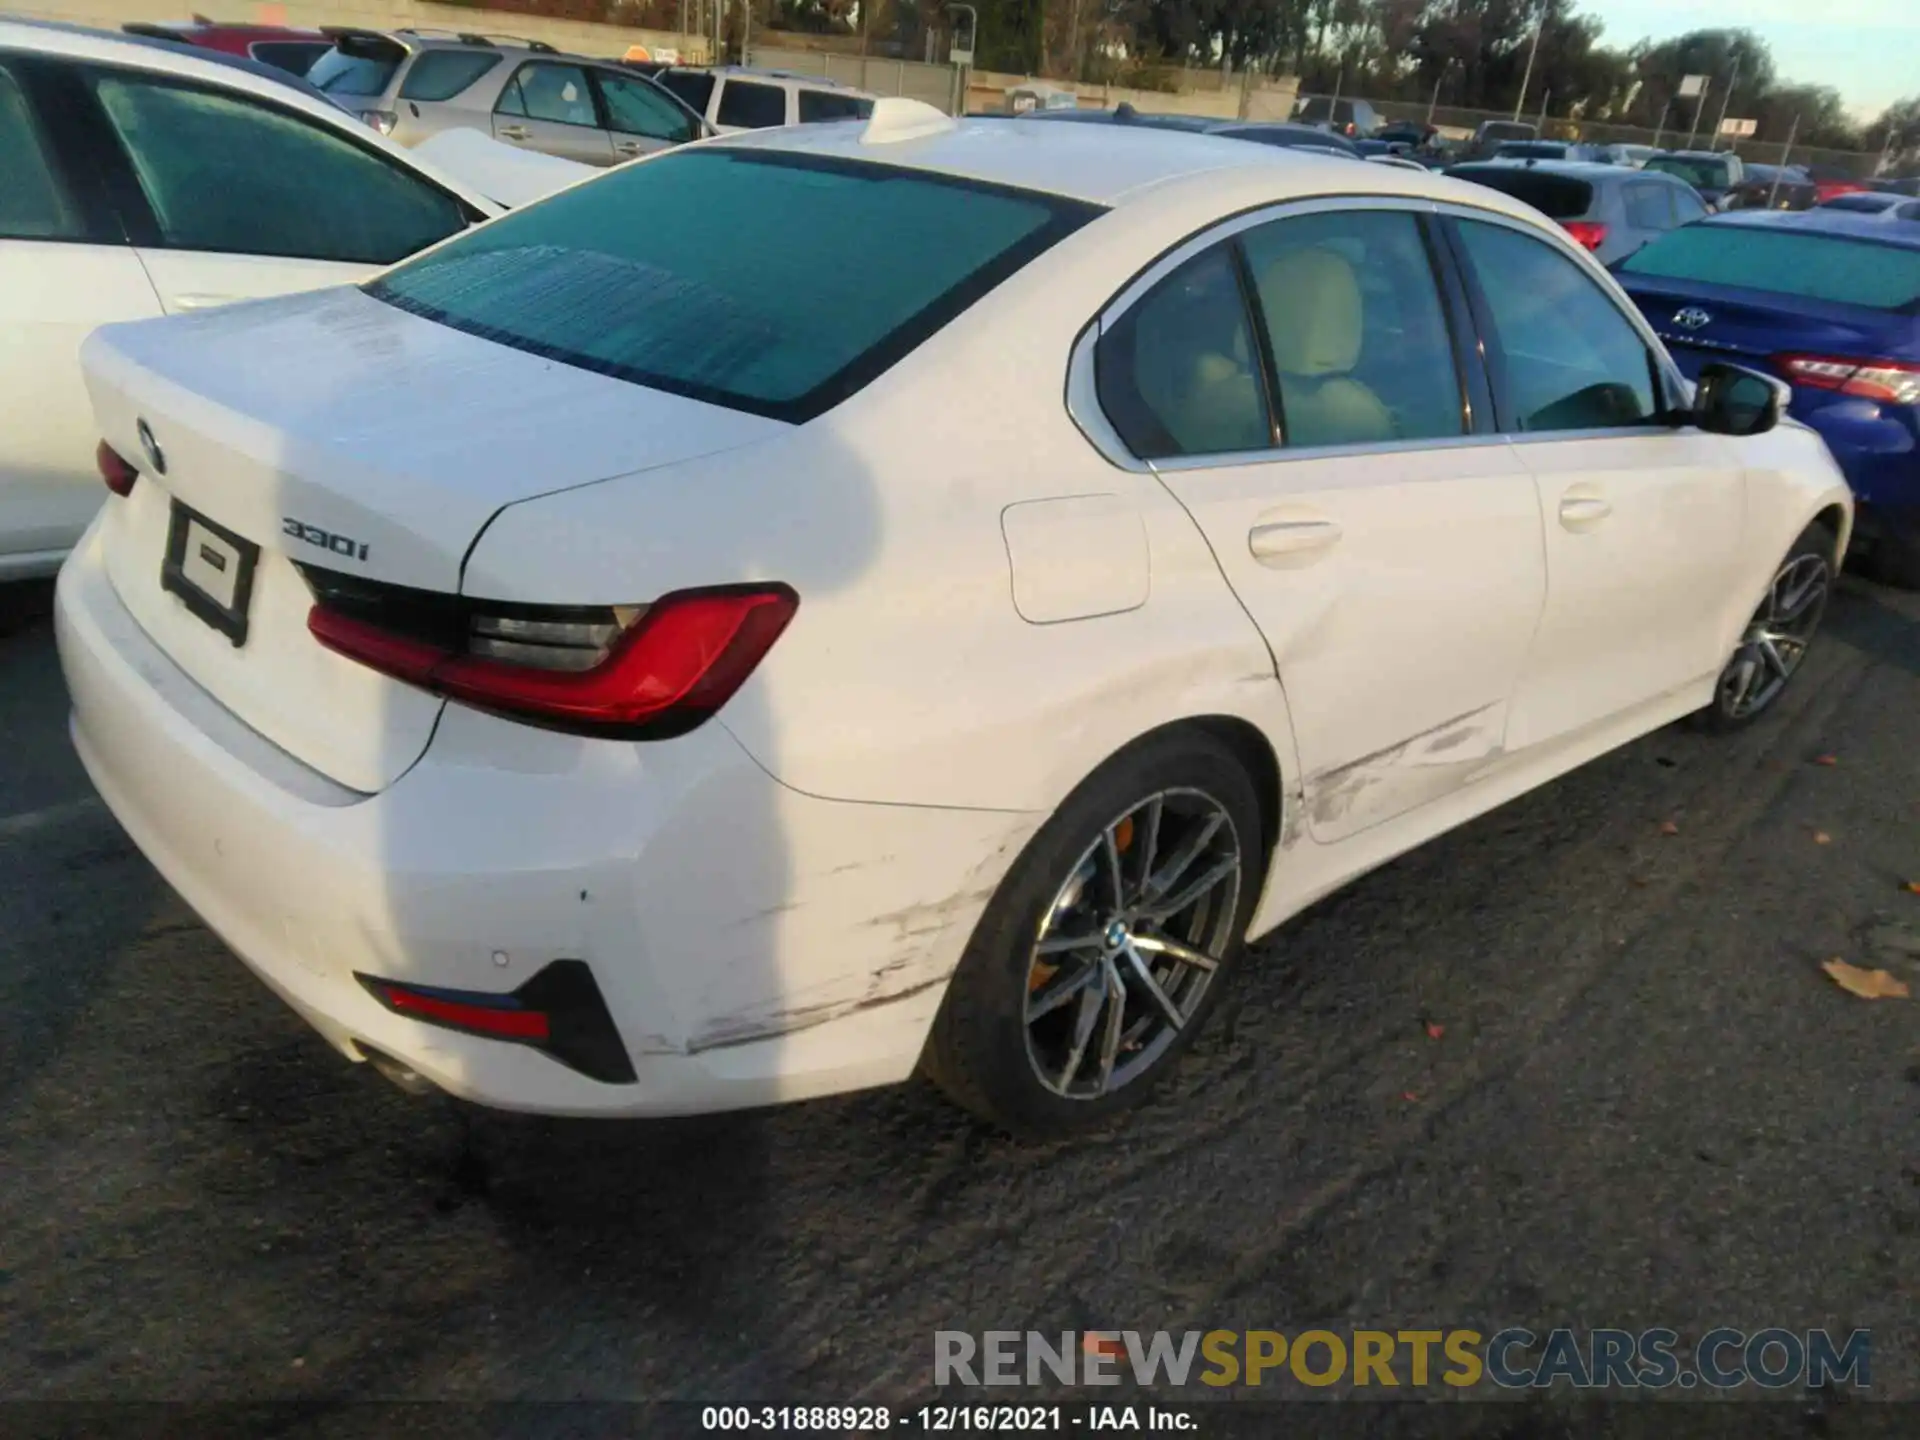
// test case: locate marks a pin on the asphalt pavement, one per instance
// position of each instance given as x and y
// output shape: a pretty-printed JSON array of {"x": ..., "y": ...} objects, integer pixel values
[{"x": 1575, "y": 1064}]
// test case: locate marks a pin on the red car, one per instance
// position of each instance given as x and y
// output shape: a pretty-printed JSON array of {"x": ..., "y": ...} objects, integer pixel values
[{"x": 276, "y": 45}]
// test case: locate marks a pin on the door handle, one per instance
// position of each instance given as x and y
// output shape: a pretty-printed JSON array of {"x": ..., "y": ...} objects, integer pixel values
[
  {"x": 515, "y": 132},
  {"x": 629, "y": 147},
  {"x": 1583, "y": 512},
  {"x": 1282, "y": 540}
]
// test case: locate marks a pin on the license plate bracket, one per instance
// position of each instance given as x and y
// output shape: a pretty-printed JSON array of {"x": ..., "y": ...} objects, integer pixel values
[{"x": 211, "y": 570}]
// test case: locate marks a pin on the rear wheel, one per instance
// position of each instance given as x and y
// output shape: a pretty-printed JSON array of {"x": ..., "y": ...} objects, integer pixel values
[
  {"x": 1106, "y": 946},
  {"x": 1776, "y": 639}
]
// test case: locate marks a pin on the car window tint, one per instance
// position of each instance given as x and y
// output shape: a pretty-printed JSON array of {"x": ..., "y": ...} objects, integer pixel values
[
  {"x": 661, "y": 274},
  {"x": 1836, "y": 268},
  {"x": 695, "y": 87},
  {"x": 1687, "y": 207},
  {"x": 339, "y": 73},
  {"x": 1649, "y": 206},
  {"x": 1568, "y": 358},
  {"x": 443, "y": 74},
  {"x": 1558, "y": 197},
  {"x": 635, "y": 108},
  {"x": 1361, "y": 350},
  {"x": 295, "y": 57},
  {"x": 751, "y": 106},
  {"x": 34, "y": 203},
  {"x": 555, "y": 93},
  {"x": 828, "y": 105},
  {"x": 1179, "y": 373},
  {"x": 226, "y": 174}
]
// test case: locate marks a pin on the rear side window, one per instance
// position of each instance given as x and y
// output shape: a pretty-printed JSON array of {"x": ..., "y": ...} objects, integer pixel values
[
  {"x": 1180, "y": 373},
  {"x": 34, "y": 204},
  {"x": 751, "y": 106},
  {"x": 660, "y": 273},
  {"x": 223, "y": 173},
  {"x": 339, "y": 72},
  {"x": 1835, "y": 268},
  {"x": 695, "y": 87},
  {"x": 829, "y": 105},
  {"x": 443, "y": 74},
  {"x": 1649, "y": 206},
  {"x": 556, "y": 93},
  {"x": 1558, "y": 197}
]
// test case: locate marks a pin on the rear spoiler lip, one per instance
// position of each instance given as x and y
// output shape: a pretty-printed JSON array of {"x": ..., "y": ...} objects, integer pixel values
[{"x": 370, "y": 39}]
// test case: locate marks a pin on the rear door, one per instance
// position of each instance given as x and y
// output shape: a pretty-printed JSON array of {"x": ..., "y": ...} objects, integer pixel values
[
  {"x": 549, "y": 106},
  {"x": 1643, "y": 519},
  {"x": 65, "y": 267},
  {"x": 229, "y": 197},
  {"x": 1298, "y": 387}
]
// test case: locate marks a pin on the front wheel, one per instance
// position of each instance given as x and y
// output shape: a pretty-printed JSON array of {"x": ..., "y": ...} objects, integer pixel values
[
  {"x": 1107, "y": 944},
  {"x": 1776, "y": 639}
]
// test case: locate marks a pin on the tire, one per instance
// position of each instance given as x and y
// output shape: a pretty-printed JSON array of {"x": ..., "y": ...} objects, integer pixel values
[
  {"x": 1776, "y": 640},
  {"x": 1025, "y": 991}
]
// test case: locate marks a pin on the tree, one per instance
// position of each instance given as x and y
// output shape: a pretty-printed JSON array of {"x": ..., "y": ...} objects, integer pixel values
[
  {"x": 1897, "y": 131},
  {"x": 1713, "y": 53}
]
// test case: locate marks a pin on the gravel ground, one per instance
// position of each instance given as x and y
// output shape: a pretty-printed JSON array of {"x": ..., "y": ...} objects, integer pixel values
[{"x": 1562, "y": 1067}]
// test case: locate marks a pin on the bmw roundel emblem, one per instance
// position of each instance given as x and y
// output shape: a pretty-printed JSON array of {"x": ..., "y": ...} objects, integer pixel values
[
  {"x": 156, "y": 457},
  {"x": 1692, "y": 318}
]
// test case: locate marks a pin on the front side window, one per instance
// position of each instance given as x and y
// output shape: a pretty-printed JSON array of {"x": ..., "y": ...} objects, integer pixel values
[
  {"x": 752, "y": 106},
  {"x": 1180, "y": 372},
  {"x": 1687, "y": 207},
  {"x": 34, "y": 203},
  {"x": 635, "y": 108},
  {"x": 222, "y": 173},
  {"x": 443, "y": 74},
  {"x": 694, "y": 87},
  {"x": 1361, "y": 350},
  {"x": 660, "y": 273},
  {"x": 1567, "y": 358},
  {"x": 558, "y": 94}
]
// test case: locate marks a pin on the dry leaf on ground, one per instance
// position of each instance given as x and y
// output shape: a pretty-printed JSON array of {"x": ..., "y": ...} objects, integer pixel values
[
  {"x": 1667, "y": 827},
  {"x": 1820, "y": 837},
  {"x": 1867, "y": 984},
  {"x": 1913, "y": 887},
  {"x": 1826, "y": 759},
  {"x": 1435, "y": 1030}
]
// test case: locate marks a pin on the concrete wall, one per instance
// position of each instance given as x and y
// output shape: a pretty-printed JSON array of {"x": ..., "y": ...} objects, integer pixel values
[{"x": 578, "y": 36}]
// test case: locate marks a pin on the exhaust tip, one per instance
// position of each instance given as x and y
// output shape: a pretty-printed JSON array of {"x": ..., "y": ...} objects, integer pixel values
[{"x": 405, "y": 1076}]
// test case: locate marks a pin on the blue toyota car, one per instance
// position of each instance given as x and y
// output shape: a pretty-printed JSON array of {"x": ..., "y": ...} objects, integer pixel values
[{"x": 1830, "y": 302}]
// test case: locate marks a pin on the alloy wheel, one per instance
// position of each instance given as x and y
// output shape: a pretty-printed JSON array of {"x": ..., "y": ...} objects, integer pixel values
[
  {"x": 1131, "y": 942},
  {"x": 1776, "y": 638}
]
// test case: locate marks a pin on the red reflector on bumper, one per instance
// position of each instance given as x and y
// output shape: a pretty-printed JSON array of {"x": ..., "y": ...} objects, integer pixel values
[{"x": 512, "y": 1023}]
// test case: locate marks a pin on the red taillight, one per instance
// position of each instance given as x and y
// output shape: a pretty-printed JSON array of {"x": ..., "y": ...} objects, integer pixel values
[
  {"x": 1891, "y": 382},
  {"x": 1827, "y": 189},
  {"x": 1590, "y": 233},
  {"x": 118, "y": 474},
  {"x": 647, "y": 672}
]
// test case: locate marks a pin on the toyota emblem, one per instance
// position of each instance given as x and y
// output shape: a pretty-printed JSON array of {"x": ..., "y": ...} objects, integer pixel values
[
  {"x": 156, "y": 457},
  {"x": 1692, "y": 318}
]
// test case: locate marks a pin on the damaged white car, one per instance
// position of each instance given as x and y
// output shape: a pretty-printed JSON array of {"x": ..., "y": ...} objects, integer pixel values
[{"x": 621, "y": 663}]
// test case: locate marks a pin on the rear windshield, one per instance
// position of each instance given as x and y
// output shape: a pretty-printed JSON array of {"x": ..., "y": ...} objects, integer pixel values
[
  {"x": 695, "y": 87},
  {"x": 1532, "y": 149},
  {"x": 1558, "y": 197},
  {"x": 339, "y": 73},
  {"x": 1811, "y": 266},
  {"x": 662, "y": 273}
]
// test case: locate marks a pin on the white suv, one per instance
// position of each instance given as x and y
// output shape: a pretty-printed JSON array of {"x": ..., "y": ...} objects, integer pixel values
[{"x": 738, "y": 97}]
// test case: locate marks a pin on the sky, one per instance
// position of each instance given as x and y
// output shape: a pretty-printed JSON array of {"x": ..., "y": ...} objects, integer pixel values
[{"x": 1872, "y": 57}]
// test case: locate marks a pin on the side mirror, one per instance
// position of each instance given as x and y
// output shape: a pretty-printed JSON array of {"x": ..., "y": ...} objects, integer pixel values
[{"x": 1733, "y": 400}]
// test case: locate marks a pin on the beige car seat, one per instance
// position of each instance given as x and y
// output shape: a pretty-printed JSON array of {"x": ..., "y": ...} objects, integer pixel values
[{"x": 1311, "y": 299}]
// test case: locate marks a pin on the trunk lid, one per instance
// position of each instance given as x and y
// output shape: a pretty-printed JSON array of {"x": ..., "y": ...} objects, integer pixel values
[
  {"x": 1748, "y": 327},
  {"x": 331, "y": 429}
]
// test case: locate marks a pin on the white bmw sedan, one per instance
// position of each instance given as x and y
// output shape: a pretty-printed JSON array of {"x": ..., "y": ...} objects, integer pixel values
[{"x": 844, "y": 600}]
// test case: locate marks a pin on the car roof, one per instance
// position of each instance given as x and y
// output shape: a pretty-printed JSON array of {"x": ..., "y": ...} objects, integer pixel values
[
  {"x": 151, "y": 52},
  {"x": 1573, "y": 169},
  {"x": 1115, "y": 165},
  {"x": 1852, "y": 224},
  {"x": 163, "y": 29},
  {"x": 1697, "y": 154}
]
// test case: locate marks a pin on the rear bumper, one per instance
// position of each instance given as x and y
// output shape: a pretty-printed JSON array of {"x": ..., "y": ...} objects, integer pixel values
[
  {"x": 752, "y": 945},
  {"x": 1878, "y": 452}
]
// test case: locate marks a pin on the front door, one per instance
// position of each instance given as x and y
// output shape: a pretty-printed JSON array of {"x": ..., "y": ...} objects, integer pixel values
[
  {"x": 1643, "y": 518},
  {"x": 549, "y": 107},
  {"x": 1390, "y": 556}
]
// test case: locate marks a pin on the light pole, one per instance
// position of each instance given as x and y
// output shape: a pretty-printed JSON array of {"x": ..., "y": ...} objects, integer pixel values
[
  {"x": 1725, "y": 100},
  {"x": 1434, "y": 103},
  {"x": 1526, "y": 77},
  {"x": 963, "y": 66}
]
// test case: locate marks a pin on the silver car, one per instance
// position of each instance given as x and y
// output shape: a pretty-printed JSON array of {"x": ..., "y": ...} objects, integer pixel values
[
  {"x": 1610, "y": 209},
  {"x": 413, "y": 84}
]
